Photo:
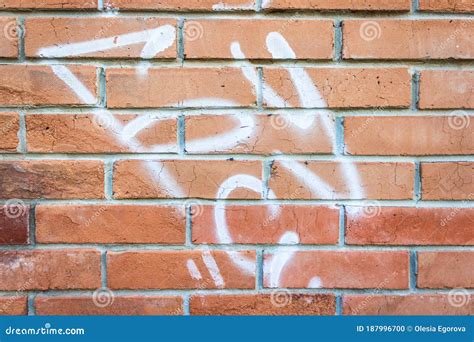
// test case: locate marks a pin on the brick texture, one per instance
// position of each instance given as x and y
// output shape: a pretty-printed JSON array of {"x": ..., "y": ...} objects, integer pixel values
[{"x": 215, "y": 157}]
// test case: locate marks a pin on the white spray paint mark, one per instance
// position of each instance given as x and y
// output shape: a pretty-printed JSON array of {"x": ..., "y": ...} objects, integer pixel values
[
  {"x": 274, "y": 267},
  {"x": 74, "y": 83},
  {"x": 213, "y": 268},
  {"x": 315, "y": 283},
  {"x": 193, "y": 270}
]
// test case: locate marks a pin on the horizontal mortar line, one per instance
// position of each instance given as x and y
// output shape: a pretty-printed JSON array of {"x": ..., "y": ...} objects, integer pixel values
[
  {"x": 200, "y": 292},
  {"x": 175, "y": 112},
  {"x": 236, "y": 14},
  {"x": 464, "y": 65},
  {"x": 267, "y": 248},
  {"x": 197, "y": 201},
  {"x": 151, "y": 157}
]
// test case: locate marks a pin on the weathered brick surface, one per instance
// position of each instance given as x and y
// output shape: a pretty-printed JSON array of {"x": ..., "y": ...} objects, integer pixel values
[
  {"x": 119, "y": 305},
  {"x": 206, "y": 156}
]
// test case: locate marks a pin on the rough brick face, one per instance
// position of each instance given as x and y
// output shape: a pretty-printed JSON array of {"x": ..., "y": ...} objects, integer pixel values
[
  {"x": 218, "y": 157},
  {"x": 218, "y": 35},
  {"x": 408, "y": 39},
  {"x": 170, "y": 270},
  {"x": 445, "y": 269},
  {"x": 110, "y": 224},
  {"x": 60, "y": 179},
  {"x": 59, "y": 37},
  {"x": 362, "y": 88},
  {"x": 299, "y": 304},
  {"x": 120, "y": 305}
]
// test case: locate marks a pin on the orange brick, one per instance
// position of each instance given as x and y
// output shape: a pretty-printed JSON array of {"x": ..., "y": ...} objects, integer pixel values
[
  {"x": 351, "y": 5},
  {"x": 214, "y": 38},
  {"x": 48, "y": 4},
  {"x": 412, "y": 135},
  {"x": 331, "y": 269},
  {"x": 179, "y": 270},
  {"x": 9, "y": 127},
  {"x": 446, "y": 89},
  {"x": 447, "y": 181},
  {"x": 409, "y": 226},
  {"x": 258, "y": 134},
  {"x": 55, "y": 37},
  {"x": 50, "y": 269},
  {"x": 329, "y": 180},
  {"x": 263, "y": 304},
  {"x": 179, "y": 87},
  {"x": 13, "y": 305},
  {"x": 100, "y": 133},
  {"x": 447, "y": 6},
  {"x": 258, "y": 224},
  {"x": 340, "y": 88},
  {"x": 408, "y": 39},
  {"x": 110, "y": 224},
  {"x": 183, "y": 5},
  {"x": 445, "y": 269},
  {"x": 112, "y": 305},
  {"x": 57, "y": 179},
  {"x": 9, "y": 37},
  {"x": 182, "y": 178},
  {"x": 412, "y": 305},
  {"x": 38, "y": 85},
  {"x": 14, "y": 223}
]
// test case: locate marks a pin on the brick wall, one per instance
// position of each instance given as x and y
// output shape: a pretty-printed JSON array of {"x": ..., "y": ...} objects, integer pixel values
[{"x": 236, "y": 157}]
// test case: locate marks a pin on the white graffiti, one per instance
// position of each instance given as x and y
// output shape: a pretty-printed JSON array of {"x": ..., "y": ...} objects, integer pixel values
[{"x": 156, "y": 41}]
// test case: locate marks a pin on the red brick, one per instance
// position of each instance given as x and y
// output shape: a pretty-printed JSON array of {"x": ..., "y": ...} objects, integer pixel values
[
  {"x": 258, "y": 224},
  {"x": 337, "y": 269},
  {"x": 182, "y": 178},
  {"x": 263, "y": 304},
  {"x": 447, "y": 6},
  {"x": 171, "y": 270},
  {"x": 409, "y": 226},
  {"x": 48, "y": 4},
  {"x": 213, "y": 38},
  {"x": 447, "y": 181},
  {"x": 38, "y": 85},
  {"x": 111, "y": 305},
  {"x": 412, "y": 135},
  {"x": 56, "y": 179},
  {"x": 351, "y": 5},
  {"x": 408, "y": 39},
  {"x": 9, "y": 127},
  {"x": 46, "y": 37},
  {"x": 342, "y": 88},
  {"x": 413, "y": 305},
  {"x": 297, "y": 180},
  {"x": 50, "y": 269},
  {"x": 445, "y": 269},
  {"x": 110, "y": 224},
  {"x": 178, "y": 87},
  {"x": 89, "y": 133},
  {"x": 13, "y": 305},
  {"x": 257, "y": 134},
  {"x": 183, "y": 5},
  {"x": 9, "y": 37},
  {"x": 446, "y": 89},
  {"x": 14, "y": 223}
]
